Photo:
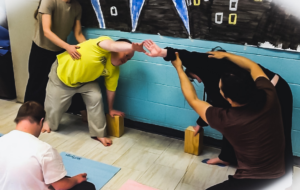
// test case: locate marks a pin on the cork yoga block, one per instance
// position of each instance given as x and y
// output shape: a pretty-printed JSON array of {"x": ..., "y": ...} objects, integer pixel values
[
  {"x": 193, "y": 144},
  {"x": 115, "y": 125}
]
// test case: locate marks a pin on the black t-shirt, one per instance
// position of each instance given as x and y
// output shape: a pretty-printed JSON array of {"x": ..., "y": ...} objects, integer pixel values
[{"x": 257, "y": 136}]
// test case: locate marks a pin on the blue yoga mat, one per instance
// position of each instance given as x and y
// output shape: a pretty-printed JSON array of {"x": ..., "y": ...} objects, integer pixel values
[
  {"x": 97, "y": 173},
  {"x": 1, "y": 135}
]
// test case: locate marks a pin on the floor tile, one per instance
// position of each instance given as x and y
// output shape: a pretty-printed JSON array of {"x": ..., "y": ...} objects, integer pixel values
[
  {"x": 136, "y": 159},
  {"x": 153, "y": 143},
  {"x": 175, "y": 157},
  {"x": 121, "y": 177},
  {"x": 161, "y": 177}
]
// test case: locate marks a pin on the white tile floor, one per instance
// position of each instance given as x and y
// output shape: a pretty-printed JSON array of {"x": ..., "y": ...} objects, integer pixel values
[{"x": 150, "y": 159}]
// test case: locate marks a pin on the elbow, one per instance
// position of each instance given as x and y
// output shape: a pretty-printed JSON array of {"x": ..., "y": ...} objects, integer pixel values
[
  {"x": 77, "y": 36},
  {"x": 47, "y": 33}
]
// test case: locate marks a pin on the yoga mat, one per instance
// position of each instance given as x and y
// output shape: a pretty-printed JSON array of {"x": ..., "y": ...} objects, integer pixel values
[
  {"x": 97, "y": 173},
  {"x": 132, "y": 185},
  {"x": 1, "y": 135}
]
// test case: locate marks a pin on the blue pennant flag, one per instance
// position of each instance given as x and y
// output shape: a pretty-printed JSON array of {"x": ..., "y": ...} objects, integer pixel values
[
  {"x": 135, "y": 10},
  {"x": 98, "y": 11},
  {"x": 183, "y": 13}
]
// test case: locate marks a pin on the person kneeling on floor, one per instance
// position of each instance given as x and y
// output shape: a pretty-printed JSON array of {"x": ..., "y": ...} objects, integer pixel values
[
  {"x": 253, "y": 124},
  {"x": 29, "y": 163},
  {"x": 99, "y": 57}
]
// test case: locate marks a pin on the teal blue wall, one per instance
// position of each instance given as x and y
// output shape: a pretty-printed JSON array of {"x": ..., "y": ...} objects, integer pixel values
[{"x": 149, "y": 89}]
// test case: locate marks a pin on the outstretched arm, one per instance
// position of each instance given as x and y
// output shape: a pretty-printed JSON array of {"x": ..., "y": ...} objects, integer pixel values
[
  {"x": 243, "y": 62},
  {"x": 189, "y": 91},
  {"x": 194, "y": 61},
  {"x": 120, "y": 46}
]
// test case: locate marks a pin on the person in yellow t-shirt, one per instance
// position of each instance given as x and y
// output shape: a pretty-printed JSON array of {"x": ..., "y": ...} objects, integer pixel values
[{"x": 99, "y": 57}]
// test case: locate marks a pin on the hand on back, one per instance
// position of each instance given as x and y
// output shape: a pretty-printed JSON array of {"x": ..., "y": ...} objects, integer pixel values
[
  {"x": 72, "y": 50},
  {"x": 217, "y": 54}
]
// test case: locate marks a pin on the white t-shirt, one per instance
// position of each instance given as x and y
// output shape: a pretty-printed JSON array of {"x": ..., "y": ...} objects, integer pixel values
[{"x": 27, "y": 163}]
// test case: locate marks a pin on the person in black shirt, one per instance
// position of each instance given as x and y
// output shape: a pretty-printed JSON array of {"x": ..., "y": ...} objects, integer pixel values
[{"x": 209, "y": 71}]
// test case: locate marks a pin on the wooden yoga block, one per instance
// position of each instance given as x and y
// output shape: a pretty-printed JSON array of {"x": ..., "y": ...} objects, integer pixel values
[
  {"x": 193, "y": 144},
  {"x": 115, "y": 125}
]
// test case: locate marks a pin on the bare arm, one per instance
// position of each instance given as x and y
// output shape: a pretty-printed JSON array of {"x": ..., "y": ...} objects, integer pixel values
[
  {"x": 242, "y": 62},
  {"x": 116, "y": 46},
  {"x": 67, "y": 183},
  {"x": 78, "y": 32},
  {"x": 189, "y": 91},
  {"x": 46, "y": 22},
  {"x": 110, "y": 101}
]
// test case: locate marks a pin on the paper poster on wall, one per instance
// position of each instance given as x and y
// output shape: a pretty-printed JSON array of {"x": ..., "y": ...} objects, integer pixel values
[{"x": 254, "y": 22}]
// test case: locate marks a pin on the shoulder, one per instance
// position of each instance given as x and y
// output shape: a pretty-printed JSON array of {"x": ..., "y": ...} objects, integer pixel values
[
  {"x": 262, "y": 82},
  {"x": 96, "y": 41},
  {"x": 48, "y": 1},
  {"x": 76, "y": 4},
  {"x": 216, "y": 116},
  {"x": 102, "y": 38},
  {"x": 45, "y": 147},
  {"x": 47, "y": 6}
]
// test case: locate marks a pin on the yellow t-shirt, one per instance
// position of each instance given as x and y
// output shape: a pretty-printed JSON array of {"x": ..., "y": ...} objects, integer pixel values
[{"x": 94, "y": 62}]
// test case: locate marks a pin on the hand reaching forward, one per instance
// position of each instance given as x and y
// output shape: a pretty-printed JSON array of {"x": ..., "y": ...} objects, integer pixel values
[
  {"x": 154, "y": 50},
  {"x": 177, "y": 62},
  {"x": 116, "y": 112},
  {"x": 217, "y": 54},
  {"x": 138, "y": 47}
]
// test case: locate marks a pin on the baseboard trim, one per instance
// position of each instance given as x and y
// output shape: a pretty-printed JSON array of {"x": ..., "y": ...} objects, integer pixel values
[
  {"x": 168, "y": 132},
  {"x": 173, "y": 133}
]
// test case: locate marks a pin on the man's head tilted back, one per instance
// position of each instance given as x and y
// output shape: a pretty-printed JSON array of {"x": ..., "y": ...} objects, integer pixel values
[{"x": 30, "y": 118}]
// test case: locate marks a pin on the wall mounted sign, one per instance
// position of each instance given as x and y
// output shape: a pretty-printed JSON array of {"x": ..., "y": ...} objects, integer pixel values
[{"x": 234, "y": 21}]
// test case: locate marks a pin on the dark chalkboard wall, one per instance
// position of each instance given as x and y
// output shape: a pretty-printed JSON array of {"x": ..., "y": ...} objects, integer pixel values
[{"x": 256, "y": 21}]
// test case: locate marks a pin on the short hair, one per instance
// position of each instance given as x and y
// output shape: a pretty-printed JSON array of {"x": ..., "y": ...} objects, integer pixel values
[
  {"x": 31, "y": 111},
  {"x": 124, "y": 40},
  {"x": 240, "y": 87}
]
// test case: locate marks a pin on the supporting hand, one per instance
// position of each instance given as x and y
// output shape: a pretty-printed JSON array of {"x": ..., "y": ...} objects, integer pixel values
[
  {"x": 177, "y": 62},
  {"x": 154, "y": 50},
  {"x": 80, "y": 178},
  {"x": 72, "y": 50},
  {"x": 217, "y": 54},
  {"x": 196, "y": 129},
  {"x": 116, "y": 112},
  {"x": 138, "y": 47}
]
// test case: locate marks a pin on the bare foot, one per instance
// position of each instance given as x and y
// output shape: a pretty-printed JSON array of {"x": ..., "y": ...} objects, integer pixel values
[
  {"x": 84, "y": 115},
  {"x": 105, "y": 141},
  {"x": 196, "y": 129},
  {"x": 215, "y": 161},
  {"x": 46, "y": 128}
]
